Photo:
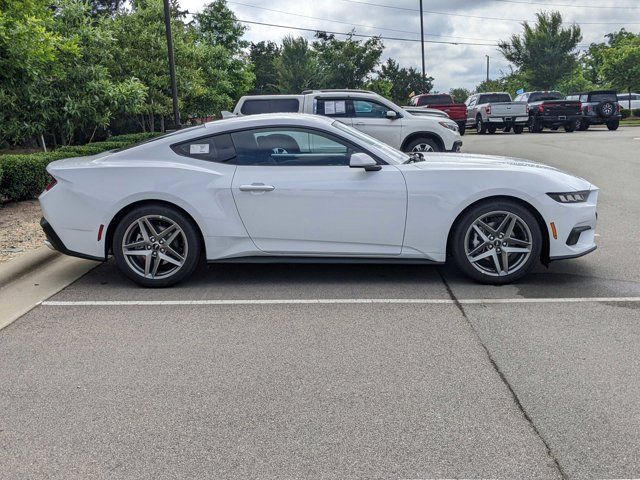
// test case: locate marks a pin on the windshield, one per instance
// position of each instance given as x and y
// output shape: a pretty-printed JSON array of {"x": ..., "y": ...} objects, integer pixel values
[
  {"x": 538, "y": 97},
  {"x": 392, "y": 155},
  {"x": 494, "y": 98}
]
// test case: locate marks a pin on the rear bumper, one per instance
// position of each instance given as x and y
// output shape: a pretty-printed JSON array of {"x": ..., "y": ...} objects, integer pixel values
[
  {"x": 551, "y": 120},
  {"x": 53, "y": 241},
  {"x": 507, "y": 121},
  {"x": 597, "y": 120}
]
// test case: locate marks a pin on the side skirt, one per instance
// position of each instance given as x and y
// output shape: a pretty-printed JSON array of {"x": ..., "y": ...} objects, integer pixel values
[{"x": 307, "y": 259}]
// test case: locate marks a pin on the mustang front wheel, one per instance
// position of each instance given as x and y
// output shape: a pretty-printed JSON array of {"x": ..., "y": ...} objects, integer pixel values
[
  {"x": 156, "y": 246},
  {"x": 497, "y": 242}
]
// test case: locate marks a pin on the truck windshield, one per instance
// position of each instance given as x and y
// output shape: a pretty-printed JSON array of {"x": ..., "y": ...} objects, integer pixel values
[
  {"x": 392, "y": 155},
  {"x": 538, "y": 97},
  {"x": 435, "y": 100},
  {"x": 495, "y": 98}
]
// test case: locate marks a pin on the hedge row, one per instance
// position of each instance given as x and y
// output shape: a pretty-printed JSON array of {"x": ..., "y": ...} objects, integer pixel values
[{"x": 24, "y": 176}]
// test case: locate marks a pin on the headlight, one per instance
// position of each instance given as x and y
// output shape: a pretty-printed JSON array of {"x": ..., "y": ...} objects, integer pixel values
[
  {"x": 450, "y": 125},
  {"x": 570, "y": 197}
]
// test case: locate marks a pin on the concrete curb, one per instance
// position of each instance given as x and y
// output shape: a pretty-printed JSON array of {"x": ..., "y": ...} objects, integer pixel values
[{"x": 20, "y": 266}]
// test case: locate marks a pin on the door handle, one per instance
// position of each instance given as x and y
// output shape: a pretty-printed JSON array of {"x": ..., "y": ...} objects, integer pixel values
[{"x": 257, "y": 187}]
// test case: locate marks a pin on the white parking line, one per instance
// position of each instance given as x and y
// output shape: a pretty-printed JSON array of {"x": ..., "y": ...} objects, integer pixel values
[{"x": 315, "y": 301}]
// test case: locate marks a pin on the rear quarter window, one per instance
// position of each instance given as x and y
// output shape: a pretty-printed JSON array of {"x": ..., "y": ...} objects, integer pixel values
[{"x": 272, "y": 105}]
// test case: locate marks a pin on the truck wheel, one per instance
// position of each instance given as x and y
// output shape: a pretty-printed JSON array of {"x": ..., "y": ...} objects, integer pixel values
[
  {"x": 423, "y": 145},
  {"x": 462, "y": 129},
  {"x": 555, "y": 128},
  {"x": 569, "y": 127},
  {"x": 613, "y": 124},
  {"x": 491, "y": 130},
  {"x": 518, "y": 129},
  {"x": 582, "y": 124},
  {"x": 506, "y": 129},
  {"x": 535, "y": 126},
  {"x": 481, "y": 128}
]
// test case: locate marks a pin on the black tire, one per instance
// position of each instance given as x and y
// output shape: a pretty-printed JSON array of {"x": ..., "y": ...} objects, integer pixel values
[
  {"x": 606, "y": 109},
  {"x": 464, "y": 224},
  {"x": 518, "y": 129},
  {"x": 188, "y": 242},
  {"x": 481, "y": 128},
  {"x": 555, "y": 128},
  {"x": 583, "y": 125},
  {"x": 491, "y": 130},
  {"x": 506, "y": 129},
  {"x": 569, "y": 127},
  {"x": 423, "y": 140},
  {"x": 535, "y": 125},
  {"x": 462, "y": 129},
  {"x": 613, "y": 124}
]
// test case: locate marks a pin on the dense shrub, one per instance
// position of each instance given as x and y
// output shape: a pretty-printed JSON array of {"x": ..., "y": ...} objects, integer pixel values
[
  {"x": 25, "y": 176},
  {"x": 636, "y": 112},
  {"x": 625, "y": 112}
]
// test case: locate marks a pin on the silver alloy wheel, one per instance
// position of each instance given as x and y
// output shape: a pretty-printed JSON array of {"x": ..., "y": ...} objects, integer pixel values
[
  {"x": 498, "y": 243},
  {"x": 422, "y": 147},
  {"x": 155, "y": 246}
]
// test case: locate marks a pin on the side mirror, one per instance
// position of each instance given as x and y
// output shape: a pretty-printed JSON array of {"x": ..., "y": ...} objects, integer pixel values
[
  {"x": 362, "y": 160},
  {"x": 391, "y": 115}
]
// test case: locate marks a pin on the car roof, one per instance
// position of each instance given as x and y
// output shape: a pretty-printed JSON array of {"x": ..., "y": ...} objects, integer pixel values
[
  {"x": 594, "y": 91},
  {"x": 264, "y": 119}
]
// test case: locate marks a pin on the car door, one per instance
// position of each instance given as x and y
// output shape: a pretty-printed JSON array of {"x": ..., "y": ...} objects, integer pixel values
[
  {"x": 471, "y": 110},
  {"x": 297, "y": 195},
  {"x": 371, "y": 118}
]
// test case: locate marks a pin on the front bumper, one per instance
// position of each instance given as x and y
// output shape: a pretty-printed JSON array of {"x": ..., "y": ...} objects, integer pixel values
[
  {"x": 457, "y": 146},
  {"x": 53, "y": 241}
]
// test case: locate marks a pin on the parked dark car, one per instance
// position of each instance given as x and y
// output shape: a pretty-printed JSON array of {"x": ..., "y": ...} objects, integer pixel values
[
  {"x": 551, "y": 110},
  {"x": 598, "y": 107}
]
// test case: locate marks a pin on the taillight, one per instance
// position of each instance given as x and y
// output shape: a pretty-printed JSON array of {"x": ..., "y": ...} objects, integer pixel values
[
  {"x": 579, "y": 107},
  {"x": 527, "y": 108},
  {"x": 618, "y": 107},
  {"x": 589, "y": 108},
  {"x": 488, "y": 109},
  {"x": 541, "y": 108},
  {"x": 51, "y": 184}
]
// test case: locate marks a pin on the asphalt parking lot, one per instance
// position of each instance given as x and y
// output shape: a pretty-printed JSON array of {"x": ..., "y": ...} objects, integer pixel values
[{"x": 337, "y": 371}]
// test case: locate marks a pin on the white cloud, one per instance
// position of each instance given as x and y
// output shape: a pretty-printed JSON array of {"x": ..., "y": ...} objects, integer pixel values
[{"x": 450, "y": 65}]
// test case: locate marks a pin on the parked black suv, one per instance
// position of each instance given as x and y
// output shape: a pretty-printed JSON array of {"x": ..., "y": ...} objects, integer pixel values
[
  {"x": 551, "y": 110},
  {"x": 598, "y": 107}
]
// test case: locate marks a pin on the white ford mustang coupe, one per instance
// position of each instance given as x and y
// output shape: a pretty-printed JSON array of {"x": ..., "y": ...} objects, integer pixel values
[{"x": 302, "y": 188}]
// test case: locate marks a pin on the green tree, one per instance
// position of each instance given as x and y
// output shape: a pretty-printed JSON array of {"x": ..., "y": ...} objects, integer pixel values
[
  {"x": 264, "y": 57},
  {"x": 490, "y": 86},
  {"x": 459, "y": 95},
  {"x": 544, "y": 53},
  {"x": 404, "y": 81},
  {"x": 621, "y": 67},
  {"x": 346, "y": 63},
  {"x": 218, "y": 25},
  {"x": 297, "y": 66}
]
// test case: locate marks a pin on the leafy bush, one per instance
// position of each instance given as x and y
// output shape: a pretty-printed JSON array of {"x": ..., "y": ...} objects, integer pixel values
[
  {"x": 636, "y": 112},
  {"x": 625, "y": 112},
  {"x": 25, "y": 176}
]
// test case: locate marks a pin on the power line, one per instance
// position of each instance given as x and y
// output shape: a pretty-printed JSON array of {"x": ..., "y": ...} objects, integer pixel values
[
  {"x": 366, "y": 36},
  {"x": 357, "y": 24},
  {"x": 519, "y": 20},
  {"x": 564, "y": 5}
]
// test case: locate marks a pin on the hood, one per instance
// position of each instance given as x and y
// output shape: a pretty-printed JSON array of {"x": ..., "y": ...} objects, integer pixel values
[{"x": 465, "y": 161}]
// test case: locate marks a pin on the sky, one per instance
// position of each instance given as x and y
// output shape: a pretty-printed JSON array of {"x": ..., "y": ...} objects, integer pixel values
[{"x": 458, "y": 21}]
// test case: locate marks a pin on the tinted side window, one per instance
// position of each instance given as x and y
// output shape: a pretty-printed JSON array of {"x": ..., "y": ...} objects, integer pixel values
[
  {"x": 218, "y": 148},
  {"x": 369, "y": 109},
  {"x": 603, "y": 97},
  {"x": 291, "y": 147},
  {"x": 272, "y": 105}
]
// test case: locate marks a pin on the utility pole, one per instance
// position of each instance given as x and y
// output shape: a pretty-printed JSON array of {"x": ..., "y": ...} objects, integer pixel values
[
  {"x": 172, "y": 64},
  {"x": 424, "y": 74},
  {"x": 487, "y": 67}
]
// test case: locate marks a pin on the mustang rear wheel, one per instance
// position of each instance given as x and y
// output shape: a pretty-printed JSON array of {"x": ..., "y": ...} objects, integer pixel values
[
  {"x": 156, "y": 246},
  {"x": 496, "y": 242}
]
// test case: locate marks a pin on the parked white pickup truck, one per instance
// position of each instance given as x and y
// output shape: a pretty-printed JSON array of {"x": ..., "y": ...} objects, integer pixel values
[
  {"x": 490, "y": 111},
  {"x": 366, "y": 111}
]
